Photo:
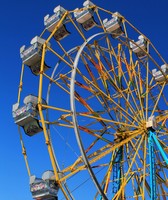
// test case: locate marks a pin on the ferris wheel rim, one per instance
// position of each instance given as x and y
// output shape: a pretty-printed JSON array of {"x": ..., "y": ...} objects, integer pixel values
[{"x": 74, "y": 118}]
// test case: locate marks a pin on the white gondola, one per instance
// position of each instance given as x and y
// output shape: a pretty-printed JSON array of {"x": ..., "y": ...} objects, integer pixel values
[
  {"x": 33, "y": 99},
  {"x": 151, "y": 123},
  {"x": 160, "y": 75},
  {"x": 32, "y": 55},
  {"x": 45, "y": 187},
  {"x": 27, "y": 115},
  {"x": 50, "y": 23},
  {"x": 85, "y": 17},
  {"x": 139, "y": 47},
  {"x": 113, "y": 25}
]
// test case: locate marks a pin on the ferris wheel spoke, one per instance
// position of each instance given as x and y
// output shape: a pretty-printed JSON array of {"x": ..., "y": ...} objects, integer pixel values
[
  {"x": 115, "y": 146},
  {"x": 159, "y": 96},
  {"x": 110, "y": 109},
  {"x": 106, "y": 180},
  {"x": 131, "y": 109},
  {"x": 111, "y": 53},
  {"x": 139, "y": 89},
  {"x": 60, "y": 57},
  {"x": 57, "y": 83},
  {"x": 109, "y": 171},
  {"x": 79, "y": 164},
  {"x": 82, "y": 100},
  {"x": 147, "y": 85},
  {"x": 66, "y": 53},
  {"x": 94, "y": 134},
  {"x": 131, "y": 95},
  {"x": 132, "y": 181},
  {"x": 127, "y": 175},
  {"x": 133, "y": 146},
  {"x": 123, "y": 75},
  {"x": 93, "y": 115},
  {"x": 101, "y": 151},
  {"x": 112, "y": 100},
  {"x": 137, "y": 182}
]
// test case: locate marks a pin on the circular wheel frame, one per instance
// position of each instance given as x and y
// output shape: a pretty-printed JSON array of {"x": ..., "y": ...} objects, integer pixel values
[{"x": 109, "y": 96}]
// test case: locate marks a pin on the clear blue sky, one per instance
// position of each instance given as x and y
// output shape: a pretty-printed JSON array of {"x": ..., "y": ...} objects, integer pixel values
[{"x": 22, "y": 20}]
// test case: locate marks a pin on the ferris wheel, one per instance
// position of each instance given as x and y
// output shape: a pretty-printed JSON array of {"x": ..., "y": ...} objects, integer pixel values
[{"x": 101, "y": 103}]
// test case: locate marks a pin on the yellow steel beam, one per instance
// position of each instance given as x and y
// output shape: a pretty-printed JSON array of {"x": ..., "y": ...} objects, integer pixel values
[
  {"x": 21, "y": 83},
  {"x": 111, "y": 148},
  {"x": 24, "y": 152},
  {"x": 51, "y": 153}
]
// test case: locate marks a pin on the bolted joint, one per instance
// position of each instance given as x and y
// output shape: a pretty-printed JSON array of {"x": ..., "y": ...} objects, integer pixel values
[
  {"x": 41, "y": 72},
  {"x": 21, "y": 85},
  {"x": 24, "y": 152},
  {"x": 47, "y": 142},
  {"x": 39, "y": 105}
]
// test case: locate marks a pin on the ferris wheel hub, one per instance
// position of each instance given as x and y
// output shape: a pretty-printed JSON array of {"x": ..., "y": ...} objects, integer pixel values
[{"x": 151, "y": 123}]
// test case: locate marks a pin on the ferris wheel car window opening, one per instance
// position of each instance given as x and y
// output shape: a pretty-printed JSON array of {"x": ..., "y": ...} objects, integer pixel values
[
  {"x": 27, "y": 115},
  {"x": 85, "y": 17},
  {"x": 45, "y": 187},
  {"x": 139, "y": 47},
  {"x": 160, "y": 75},
  {"x": 32, "y": 55},
  {"x": 113, "y": 25},
  {"x": 51, "y": 22}
]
